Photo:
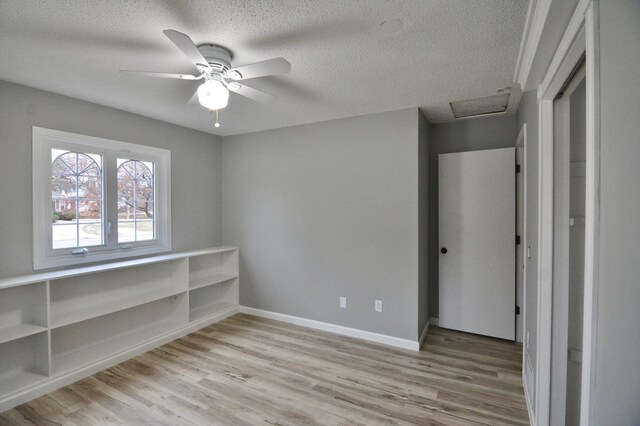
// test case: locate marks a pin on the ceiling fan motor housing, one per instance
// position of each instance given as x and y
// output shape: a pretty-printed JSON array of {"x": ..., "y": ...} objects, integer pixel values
[{"x": 218, "y": 57}]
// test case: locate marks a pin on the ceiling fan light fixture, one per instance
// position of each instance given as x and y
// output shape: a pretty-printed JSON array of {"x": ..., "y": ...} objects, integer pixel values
[{"x": 213, "y": 95}]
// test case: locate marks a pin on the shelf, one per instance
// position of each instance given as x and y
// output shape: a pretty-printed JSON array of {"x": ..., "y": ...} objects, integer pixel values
[
  {"x": 19, "y": 380},
  {"x": 58, "y": 326},
  {"x": 46, "y": 276},
  {"x": 102, "y": 337},
  {"x": 211, "y": 309},
  {"x": 71, "y": 317},
  {"x": 215, "y": 279},
  {"x": 23, "y": 362},
  {"x": 23, "y": 311},
  {"x": 69, "y": 361},
  {"x": 76, "y": 299},
  {"x": 18, "y": 331}
]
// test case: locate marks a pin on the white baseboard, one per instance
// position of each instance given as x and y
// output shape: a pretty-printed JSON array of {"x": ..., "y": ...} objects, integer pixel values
[
  {"x": 57, "y": 382},
  {"x": 434, "y": 322},
  {"x": 337, "y": 329}
]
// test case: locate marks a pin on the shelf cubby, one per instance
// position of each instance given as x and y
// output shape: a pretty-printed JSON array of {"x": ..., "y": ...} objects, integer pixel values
[
  {"x": 23, "y": 362},
  {"x": 85, "y": 342},
  {"x": 75, "y": 299},
  {"x": 213, "y": 268},
  {"x": 23, "y": 311},
  {"x": 212, "y": 300}
]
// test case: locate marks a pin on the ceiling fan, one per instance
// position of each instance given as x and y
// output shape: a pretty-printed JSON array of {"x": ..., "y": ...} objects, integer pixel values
[{"x": 214, "y": 64}]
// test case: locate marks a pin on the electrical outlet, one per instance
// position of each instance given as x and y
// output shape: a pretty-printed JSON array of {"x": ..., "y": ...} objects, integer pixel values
[
  {"x": 343, "y": 302},
  {"x": 378, "y": 306}
]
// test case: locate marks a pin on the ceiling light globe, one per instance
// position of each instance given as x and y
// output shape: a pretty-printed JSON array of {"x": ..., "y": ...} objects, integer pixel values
[{"x": 213, "y": 95}]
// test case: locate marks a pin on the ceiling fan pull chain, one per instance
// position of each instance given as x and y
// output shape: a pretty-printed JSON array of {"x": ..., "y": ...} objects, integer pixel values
[{"x": 217, "y": 123}]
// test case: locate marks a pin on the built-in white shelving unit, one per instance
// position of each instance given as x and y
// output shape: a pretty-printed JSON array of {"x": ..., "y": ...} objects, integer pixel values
[{"x": 57, "y": 327}]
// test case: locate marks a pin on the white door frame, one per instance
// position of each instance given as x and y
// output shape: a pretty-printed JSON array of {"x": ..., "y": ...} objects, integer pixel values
[
  {"x": 580, "y": 36},
  {"x": 521, "y": 142}
]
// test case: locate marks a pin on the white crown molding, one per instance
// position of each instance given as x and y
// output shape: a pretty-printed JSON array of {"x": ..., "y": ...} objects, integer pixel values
[
  {"x": 384, "y": 339},
  {"x": 536, "y": 18}
]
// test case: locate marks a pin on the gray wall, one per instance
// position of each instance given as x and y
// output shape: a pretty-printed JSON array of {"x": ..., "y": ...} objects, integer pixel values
[
  {"x": 195, "y": 169},
  {"x": 618, "y": 338},
  {"x": 327, "y": 210},
  {"x": 528, "y": 113},
  {"x": 423, "y": 221},
  {"x": 459, "y": 136}
]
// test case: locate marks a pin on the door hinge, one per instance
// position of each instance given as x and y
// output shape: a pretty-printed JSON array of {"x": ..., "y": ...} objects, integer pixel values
[
  {"x": 517, "y": 310},
  {"x": 517, "y": 168},
  {"x": 517, "y": 239}
]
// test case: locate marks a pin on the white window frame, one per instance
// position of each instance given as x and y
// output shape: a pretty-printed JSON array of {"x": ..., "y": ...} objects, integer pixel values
[{"x": 44, "y": 256}]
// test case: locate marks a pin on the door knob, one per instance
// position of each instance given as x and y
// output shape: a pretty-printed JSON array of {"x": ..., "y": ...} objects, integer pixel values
[{"x": 443, "y": 250}]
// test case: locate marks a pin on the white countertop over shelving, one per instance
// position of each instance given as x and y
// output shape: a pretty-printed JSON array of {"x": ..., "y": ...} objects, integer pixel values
[{"x": 66, "y": 273}]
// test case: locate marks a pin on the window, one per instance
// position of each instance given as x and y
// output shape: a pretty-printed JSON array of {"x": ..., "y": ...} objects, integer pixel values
[
  {"x": 97, "y": 199},
  {"x": 135, "y": 201},
  {"x": 76, "y": 196}
]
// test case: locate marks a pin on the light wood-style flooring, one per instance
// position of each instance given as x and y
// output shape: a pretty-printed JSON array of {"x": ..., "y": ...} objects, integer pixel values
[{"x": 247, "y": 370}]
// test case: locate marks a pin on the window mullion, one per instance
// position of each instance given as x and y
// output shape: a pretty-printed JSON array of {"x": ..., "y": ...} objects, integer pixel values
[{"x": 110, "y": 196}]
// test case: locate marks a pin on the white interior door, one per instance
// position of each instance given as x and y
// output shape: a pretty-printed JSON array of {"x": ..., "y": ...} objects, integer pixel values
[{"x": 477, "y": 202}]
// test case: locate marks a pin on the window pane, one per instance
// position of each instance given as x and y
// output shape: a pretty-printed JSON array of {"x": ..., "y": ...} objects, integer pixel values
[
  {"x": 87, "y": 166},
  {"x": 127, "y": 170},
  {"x": 89, "y": 211},
  {"x": 90, "y": 188},
  {"x": 126, "y": 190},
  {"x": 64, "y": 235},
  {"x": 60, "y": 168},
  {"x": 144, "y": 230},
  {"x": 135, "y": 201},
  {"x": 64, "y": 211},
  {"x": 90, "y": 234},
  {"x": 126, "y": 231},
  {"x": 76, "y": 198},
  {"x": 144, "y": 209},
  {"x": 69, "y": 159},
  {"x": 63, "y": 186},
  {"x": 125, "y": 209}
]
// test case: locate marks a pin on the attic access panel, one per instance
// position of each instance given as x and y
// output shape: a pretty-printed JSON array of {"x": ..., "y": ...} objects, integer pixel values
[{"x": 480, "y": 106}]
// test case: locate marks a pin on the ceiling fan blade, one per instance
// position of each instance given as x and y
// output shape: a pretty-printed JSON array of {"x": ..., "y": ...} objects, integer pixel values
[
  {"x": 187, "y": 46},
  {"x": 162, "y": 75},
  {"x": 251, "y": 93},
  {"x": 260, "y": 69}
]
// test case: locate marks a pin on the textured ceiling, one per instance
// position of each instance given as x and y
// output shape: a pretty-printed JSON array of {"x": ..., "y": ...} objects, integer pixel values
[{"x": 345, "y": 62}]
